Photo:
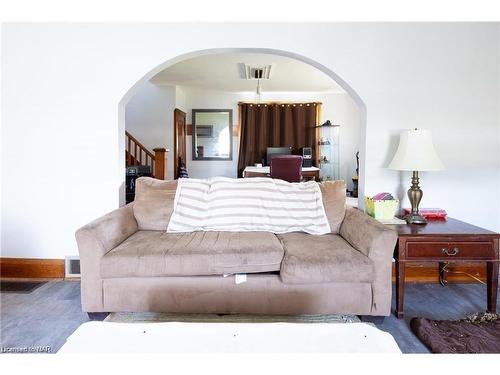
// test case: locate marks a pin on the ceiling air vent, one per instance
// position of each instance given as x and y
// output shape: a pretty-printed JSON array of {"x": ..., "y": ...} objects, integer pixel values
[{"x": 256, "y": 72}]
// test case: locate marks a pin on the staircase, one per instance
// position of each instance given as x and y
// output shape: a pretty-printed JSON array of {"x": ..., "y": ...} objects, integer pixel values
[{"x": 137, "y": 154}]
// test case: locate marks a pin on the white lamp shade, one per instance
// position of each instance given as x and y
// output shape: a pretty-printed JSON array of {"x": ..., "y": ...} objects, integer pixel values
[{"x": 416, "y": 152}]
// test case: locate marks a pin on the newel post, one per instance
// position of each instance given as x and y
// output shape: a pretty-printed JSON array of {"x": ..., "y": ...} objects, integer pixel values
[{"x": 160, "y": 171}]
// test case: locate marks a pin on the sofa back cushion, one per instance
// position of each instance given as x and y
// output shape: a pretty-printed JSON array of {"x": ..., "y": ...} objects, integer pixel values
[
  {"x": 154, "y": 203},
  {"x": 333, "y": 193}
]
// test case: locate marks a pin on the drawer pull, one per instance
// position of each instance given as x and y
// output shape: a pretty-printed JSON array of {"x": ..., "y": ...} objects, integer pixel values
[{"x": 446, "y": 251}]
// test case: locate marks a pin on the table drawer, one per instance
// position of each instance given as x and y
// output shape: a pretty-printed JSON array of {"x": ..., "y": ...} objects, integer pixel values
[{"x": 450, "y": 250}]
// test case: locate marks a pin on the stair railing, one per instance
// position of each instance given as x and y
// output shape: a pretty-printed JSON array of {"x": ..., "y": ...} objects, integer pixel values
[{"x": 137, "y": 154}]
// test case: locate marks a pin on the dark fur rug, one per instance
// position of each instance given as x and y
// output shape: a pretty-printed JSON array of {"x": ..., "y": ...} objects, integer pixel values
[{"x": 478, "y": 333}]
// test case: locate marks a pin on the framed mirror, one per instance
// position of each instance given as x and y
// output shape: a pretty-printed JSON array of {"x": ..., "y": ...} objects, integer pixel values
[{"x": 212, "y": 134}]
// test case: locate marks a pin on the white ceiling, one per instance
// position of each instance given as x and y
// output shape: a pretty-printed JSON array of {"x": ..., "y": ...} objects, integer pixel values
[{"x": 226, "y": 72}]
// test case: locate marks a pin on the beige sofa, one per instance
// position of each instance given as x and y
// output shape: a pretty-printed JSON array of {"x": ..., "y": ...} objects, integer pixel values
[{"x": 130, "y": 263}]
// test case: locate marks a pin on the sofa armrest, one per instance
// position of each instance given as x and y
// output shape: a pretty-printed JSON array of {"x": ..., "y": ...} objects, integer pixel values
[
  {"x": 368, "y": 235},
  {"x": 376, "y": 241},
  {"x": 94, "y": 240}
]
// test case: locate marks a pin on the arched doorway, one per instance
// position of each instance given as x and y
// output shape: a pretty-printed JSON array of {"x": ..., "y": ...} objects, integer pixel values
[{"x": 327, "y": 71}]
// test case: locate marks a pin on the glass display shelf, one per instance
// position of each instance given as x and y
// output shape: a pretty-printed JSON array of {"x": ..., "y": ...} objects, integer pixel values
[{"x": 329, "y": 152}]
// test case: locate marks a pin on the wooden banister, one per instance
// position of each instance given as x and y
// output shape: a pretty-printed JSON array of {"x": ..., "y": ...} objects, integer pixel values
[{"x": 137, "y": 154}]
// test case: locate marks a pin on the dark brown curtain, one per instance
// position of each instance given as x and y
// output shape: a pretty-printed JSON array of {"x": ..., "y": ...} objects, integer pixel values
[{"x": 275, "y": 125}]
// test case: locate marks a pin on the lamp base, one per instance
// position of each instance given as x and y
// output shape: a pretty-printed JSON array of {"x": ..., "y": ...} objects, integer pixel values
[
  {"x": 415, "y": 195},
  {"x": 415, "y": 219}
]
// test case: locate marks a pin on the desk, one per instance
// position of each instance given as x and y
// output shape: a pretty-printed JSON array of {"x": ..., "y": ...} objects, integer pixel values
[
  {"x": 307, "y": 172},
  {"x": 444, "y": 241}
]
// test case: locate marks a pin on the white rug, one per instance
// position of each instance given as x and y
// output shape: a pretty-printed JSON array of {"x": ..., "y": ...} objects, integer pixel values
[{"x": 227, "y": 337}]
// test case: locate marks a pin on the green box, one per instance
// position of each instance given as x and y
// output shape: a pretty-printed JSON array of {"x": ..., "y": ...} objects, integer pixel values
[{"x": 381, "y": 209}]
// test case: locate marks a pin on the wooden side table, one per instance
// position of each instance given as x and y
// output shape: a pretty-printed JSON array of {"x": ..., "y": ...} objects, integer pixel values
[{"x": 444, "y": 241}]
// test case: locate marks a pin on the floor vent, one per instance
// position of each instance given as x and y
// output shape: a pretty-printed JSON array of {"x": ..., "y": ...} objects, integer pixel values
[
  {"x": 72, "y": 266},
  {"x": 21, "y": 287}
]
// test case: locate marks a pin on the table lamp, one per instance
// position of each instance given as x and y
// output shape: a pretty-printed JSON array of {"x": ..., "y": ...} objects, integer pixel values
[{"x": 415, "y": 153}]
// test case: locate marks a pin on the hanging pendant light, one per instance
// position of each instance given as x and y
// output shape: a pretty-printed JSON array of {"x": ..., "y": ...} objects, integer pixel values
[{"x": 258, "y": 92}]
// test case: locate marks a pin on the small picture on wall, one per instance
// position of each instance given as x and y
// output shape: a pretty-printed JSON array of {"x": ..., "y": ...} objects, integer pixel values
[{"x": 205, "y": 131}]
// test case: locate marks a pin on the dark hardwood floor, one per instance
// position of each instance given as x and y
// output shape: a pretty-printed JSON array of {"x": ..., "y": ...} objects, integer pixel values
[
  {"x": 52, "y": 312},
  {"x": 47, "y": 316}
]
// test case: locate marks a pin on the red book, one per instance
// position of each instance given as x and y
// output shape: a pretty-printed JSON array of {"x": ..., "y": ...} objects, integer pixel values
[{"x": 429, "y": 213}]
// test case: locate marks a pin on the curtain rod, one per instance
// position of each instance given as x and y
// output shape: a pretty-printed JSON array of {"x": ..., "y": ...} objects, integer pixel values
[{"x": 279, "y": 103}]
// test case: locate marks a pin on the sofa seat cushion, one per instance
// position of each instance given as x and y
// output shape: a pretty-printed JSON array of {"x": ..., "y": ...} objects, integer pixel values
[
  {"x": 322, "y": 259},
  {"x": 157, "y": 253}
]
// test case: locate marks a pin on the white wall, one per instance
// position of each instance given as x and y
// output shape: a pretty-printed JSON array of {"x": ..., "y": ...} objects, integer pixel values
[
  {"x": 342, "y": 110},
  {"x": 194, "y": 98},
  {"x": 149, "y": 117},
  {"x": 180, "y": 98},
  {"x": 62, "y": 84},
  {"x": 211, "y": 168},
  {"x": 337, "y": 107}
]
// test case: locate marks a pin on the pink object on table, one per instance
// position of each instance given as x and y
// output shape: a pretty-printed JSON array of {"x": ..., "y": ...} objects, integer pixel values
[
  {"x": 382, "y": 196},
  {"x": 429, "y": 213}
]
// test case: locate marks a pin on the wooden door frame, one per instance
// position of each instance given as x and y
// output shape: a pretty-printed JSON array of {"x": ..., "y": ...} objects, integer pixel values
[{"x": 178, "y": 112}]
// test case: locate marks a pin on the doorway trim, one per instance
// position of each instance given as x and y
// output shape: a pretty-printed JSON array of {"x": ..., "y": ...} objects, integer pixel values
[
  {"x": 178, "y": 112},
  {"x": 352, "y": 93}
]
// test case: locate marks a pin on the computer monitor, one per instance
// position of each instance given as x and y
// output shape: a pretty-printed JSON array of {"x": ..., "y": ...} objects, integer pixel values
[{"x": 277, "y": 151}]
